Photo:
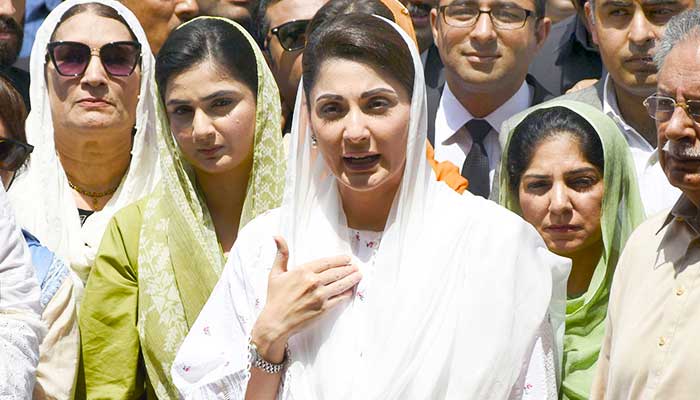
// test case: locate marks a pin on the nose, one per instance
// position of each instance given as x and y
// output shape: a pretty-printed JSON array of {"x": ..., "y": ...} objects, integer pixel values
[
  {"x": 641, "y": 31},
  {"x": 559, "y": 200},
  {"x": 355, "y": 130},
  {"x": 95, "y": 74},
  {"x": 186, "y": 9},
  {"x": 202, "y": 127},
  {"x": 680, "y": 128},
  {"x": 6, "y": 8},
  {"x": 483, "y": 31}
]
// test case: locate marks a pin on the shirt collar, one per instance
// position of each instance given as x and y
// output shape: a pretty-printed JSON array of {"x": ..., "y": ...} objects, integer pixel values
[
  {"x": 680, "y": 229},
  {"x": 452, "y": 115},
  {"x": 612, "y": 110}
]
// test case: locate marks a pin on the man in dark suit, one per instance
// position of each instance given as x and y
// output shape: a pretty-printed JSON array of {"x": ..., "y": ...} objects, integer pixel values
[
  {"x": 568, "y": 56},
  {"x": 486, "y": 48}
]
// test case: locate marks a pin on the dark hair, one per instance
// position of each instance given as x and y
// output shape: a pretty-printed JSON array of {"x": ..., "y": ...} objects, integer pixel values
[
  {"x": 12, "y": 110},
  {"x": 98, "y": 9},
  {"x": 541, "y": 8},
  {"x": 262, "y": 23},
  {"x": 335, "y": 8},
  {"x": 202, "y": 40},
  {"x": 544, "y": 124},
  {"x": 361, "y": 38}
]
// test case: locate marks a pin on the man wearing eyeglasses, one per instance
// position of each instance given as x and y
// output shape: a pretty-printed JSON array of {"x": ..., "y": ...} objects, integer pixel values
[
  {"x": 11, "y": 33},
  {"x": 486, "y": 47},
  {"x": 627, "y": 32},
  {"x": 650, "y": 349},
  {"x": 282, "y": 33}
]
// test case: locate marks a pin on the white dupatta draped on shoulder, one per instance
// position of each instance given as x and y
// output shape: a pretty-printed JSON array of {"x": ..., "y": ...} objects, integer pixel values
[
  {"x": 459, "y": 290},
  {"x": 41, "y": 196}
]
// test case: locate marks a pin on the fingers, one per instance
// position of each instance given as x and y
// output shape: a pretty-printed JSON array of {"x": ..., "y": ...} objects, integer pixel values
[
  {"x": 324, "y": 264},
  {"x": 341, "y": 285},
  {"x": 336, "y": 273},
  {"x": 280, "y": 264},
  {"x": 334, "y": 301}
]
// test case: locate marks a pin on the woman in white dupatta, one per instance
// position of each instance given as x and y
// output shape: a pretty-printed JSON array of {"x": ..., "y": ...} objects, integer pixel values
[
  {"x": 45, "y": 203},
  {"x": 453, "y": 288}
]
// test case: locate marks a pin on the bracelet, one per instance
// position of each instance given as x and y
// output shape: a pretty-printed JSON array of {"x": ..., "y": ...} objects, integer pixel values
[{"x": 256, "y": 360}]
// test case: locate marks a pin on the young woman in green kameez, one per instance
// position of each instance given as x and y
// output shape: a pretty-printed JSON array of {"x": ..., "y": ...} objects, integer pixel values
[
  {"x": 161, "y": 257},
  {"x": 567, "y": 170}
]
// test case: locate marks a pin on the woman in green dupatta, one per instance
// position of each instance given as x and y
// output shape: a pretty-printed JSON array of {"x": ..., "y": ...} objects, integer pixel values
[
  {"x": 161, "y": 257},
  {"x": 568, "y": 171}
]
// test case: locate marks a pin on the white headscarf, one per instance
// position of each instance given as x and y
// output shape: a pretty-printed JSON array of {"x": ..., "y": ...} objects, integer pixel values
[
  {"x": 41, "y": 196},
  {"x": 459, "y": 289}
]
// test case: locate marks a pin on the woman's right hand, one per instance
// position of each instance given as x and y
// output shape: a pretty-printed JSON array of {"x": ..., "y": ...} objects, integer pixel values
[{"x": 296, "y": 297}]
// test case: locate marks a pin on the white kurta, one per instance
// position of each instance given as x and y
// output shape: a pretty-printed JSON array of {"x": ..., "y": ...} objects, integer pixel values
[
  {"x": 21, "y": 330},
  {"x": 213, "y": 360}
]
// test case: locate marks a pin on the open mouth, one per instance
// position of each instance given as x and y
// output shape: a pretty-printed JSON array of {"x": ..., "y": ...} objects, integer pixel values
[{"x": 361, "y": 163}]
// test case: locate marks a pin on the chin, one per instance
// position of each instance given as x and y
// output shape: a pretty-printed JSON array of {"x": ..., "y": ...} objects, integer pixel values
[
  {"x": 684, "y": 180},
  {"x": 363, "y": 182},
  {"x": 563, "y": 248}
]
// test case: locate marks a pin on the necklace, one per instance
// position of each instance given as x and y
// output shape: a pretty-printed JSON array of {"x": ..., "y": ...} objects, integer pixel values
[{"x": 95, "y": 196}]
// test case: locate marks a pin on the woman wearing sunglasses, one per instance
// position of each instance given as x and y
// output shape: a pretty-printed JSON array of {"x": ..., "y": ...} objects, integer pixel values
[
  {"x": 383, "y": 283},
  {"x": 160, "y": 258},
  {"x": 93, "y": 125}
]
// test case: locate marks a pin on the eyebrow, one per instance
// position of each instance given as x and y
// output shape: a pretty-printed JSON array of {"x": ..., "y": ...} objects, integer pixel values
[
  {"x": 219, "y": 93},
  {"x": 581, "y": 171},
  {"x": 659, "y": 2},
  {"x": 537, "y": 176},
  {"x": 495, "y": 4},
  {"x": 567, "y": 173},
  {"x": 376, "y": 91},
  {"x": 329, "y": 96},
  {"x": 616, "y": 3}
]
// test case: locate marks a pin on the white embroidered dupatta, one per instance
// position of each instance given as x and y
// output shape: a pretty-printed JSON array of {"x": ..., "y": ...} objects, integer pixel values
[{"x": 41, "y": 196}]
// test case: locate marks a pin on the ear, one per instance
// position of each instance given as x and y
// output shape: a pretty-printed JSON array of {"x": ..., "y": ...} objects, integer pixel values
[
  {"x": 434, "y": 26},
  {"x": 542, "y": 31},
  {"x": 590, "y": 18}
]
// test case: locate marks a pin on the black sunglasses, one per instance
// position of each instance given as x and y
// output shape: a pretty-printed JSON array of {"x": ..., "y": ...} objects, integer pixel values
[
  {"x": 13, "y": 154},
  {"x": 73, "y": 58},
  {"x": 292, "y": 34}
]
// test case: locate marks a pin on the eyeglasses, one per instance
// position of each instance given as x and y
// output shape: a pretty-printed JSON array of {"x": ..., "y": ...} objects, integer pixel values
[
  {"x": 502, "y": 17},
  {"x": 292, "y": 34},
  {"x": 73, "y": 58},
  {"x": 661, "y": 108},
  {"x": 13, "y": 154}
]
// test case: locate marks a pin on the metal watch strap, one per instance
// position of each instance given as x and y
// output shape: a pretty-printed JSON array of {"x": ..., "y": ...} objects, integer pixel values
[{"x": 260, "y": 363}]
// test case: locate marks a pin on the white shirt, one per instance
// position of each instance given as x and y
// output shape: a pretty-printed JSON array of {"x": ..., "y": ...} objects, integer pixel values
[
  {"x": 453, "y": 145},
  {"x": 656, "y": 192}
]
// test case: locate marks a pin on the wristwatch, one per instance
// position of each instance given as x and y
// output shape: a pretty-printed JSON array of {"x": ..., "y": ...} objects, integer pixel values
[{"x": 257, "y": 361}]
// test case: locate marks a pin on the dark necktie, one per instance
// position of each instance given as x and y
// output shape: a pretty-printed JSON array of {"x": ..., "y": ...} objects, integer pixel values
[{"x": 476, "y": 165}]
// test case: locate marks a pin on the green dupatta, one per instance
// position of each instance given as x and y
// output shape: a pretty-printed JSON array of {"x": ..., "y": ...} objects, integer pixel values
[
  {"x": 621, "y": 212},
  {"x": 180, "y": 259}
]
